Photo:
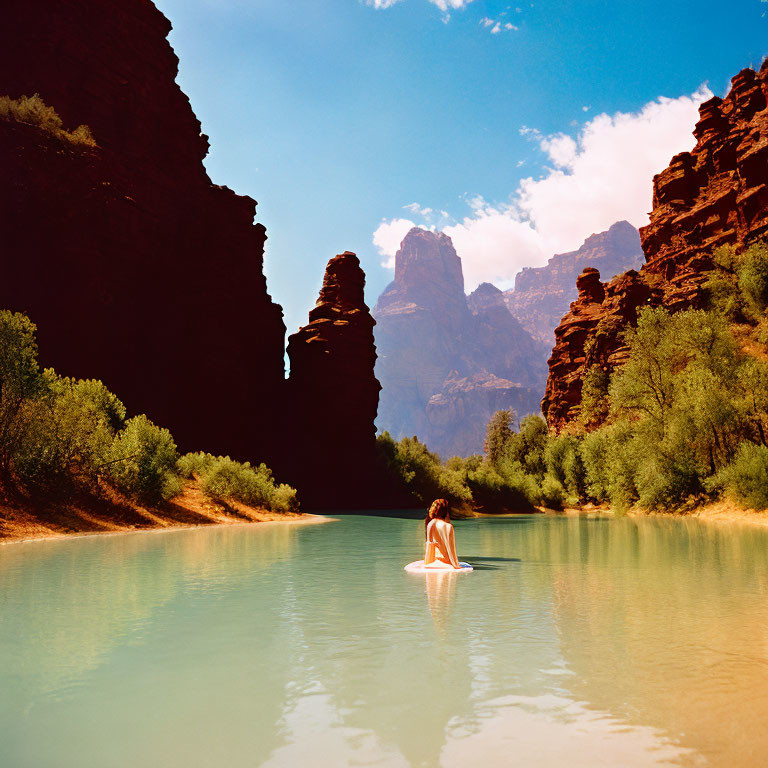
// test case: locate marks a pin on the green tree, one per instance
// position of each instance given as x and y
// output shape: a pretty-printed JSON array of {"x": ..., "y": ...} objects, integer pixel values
[
  {"x": 594, "y": 397},
  {"x": 497, "y": 434},
  {"x": 143, "y": 463},
  {"x": 526, "y": 447},
  {"x": 21, "y": 381},
  {"x": 69, "y": 437},
  {"x": 753, "y": 278},
  {"x": 565, "y": 467},
  {"x": 745, "y": 479},
  {"x": 421, "y": 472}
]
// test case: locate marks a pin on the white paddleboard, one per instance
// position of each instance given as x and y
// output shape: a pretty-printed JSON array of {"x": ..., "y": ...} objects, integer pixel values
[{"x": 417, "y": 566}]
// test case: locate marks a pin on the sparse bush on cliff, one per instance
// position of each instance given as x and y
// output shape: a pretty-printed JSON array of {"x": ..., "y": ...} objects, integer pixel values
[{"x": 34, "y": 111}]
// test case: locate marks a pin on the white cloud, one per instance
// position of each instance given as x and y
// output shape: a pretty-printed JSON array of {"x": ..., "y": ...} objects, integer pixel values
[
  {"x": 602, "y": 175},
  {"x": 444, "y": 5},
  {"x": 497, "y": 25},
  {"x": 388, "y": 236},
  {"x": 561, "y": 148},
  {"x": 417, "y": 210}
]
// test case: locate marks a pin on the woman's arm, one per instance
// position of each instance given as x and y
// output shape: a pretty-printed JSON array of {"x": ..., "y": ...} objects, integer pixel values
[{"x": 452, "y": 549}]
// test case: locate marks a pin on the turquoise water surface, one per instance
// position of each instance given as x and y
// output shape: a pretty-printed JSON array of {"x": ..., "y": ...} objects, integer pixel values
[{"x": 575, "y": 642}]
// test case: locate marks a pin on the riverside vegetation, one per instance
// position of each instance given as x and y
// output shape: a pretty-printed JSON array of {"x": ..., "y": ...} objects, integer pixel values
[
  {"x": 62, "y": 439},
  {"x": 683, "y": 422}
]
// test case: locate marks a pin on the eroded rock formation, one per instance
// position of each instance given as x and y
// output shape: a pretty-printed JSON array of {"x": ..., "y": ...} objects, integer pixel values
[
  {"x": 141, "y": 272},
  {"x": 541, "y": 295},
  {"x": 716, "y": 194},
  {"x": 335, "y": 393},
  {"x": 448, "y": 361}
]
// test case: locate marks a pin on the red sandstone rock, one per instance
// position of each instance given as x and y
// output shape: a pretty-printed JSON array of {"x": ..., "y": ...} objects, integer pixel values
[
  {"x": 713, "y": 195},
  {"x": 335, "y": 394}
]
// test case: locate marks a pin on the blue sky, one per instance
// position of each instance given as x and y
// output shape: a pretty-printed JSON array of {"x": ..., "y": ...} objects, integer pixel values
[{"x": 334, "y": 115}]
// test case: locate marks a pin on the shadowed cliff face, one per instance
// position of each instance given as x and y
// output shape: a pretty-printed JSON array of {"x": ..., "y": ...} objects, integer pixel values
[
  {"x": 714, "y": 195},
  {"x": 335, "y": 394},
  {"x": 541, "y": 295},
  {"x": 136, "y": 269},
  {"x": 140, "y": 272},
  {"x": 447, "y": 362}
]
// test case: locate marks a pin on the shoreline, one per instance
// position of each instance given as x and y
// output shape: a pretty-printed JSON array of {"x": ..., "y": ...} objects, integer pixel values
[
  {"x": 720, "y": 513},
  {"x": 713, "y": 513},
  {"x": 717, "y": 513},
  {"x": 301, "y": 518},
  {"x": 118, "y": 515}
]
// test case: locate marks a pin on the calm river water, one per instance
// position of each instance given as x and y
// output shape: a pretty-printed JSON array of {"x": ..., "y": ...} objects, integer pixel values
[{"x": 576, "y": 642}]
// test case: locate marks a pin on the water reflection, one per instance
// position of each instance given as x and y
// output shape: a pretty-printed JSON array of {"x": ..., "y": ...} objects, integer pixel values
[
  {"x": 576, "y": 641},
  {"x": 440, "y": 589}
]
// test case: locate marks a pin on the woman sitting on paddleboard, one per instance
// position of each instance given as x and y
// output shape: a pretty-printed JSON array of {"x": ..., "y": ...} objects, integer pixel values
[{"x": 441, "y": 541}]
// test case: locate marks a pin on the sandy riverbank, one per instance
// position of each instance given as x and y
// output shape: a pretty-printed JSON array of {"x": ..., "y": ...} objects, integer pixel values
[
  {"x": 717, "y": 513},
  {"x": 191, "y": 509},
  {"x": 725, "y": 513}
]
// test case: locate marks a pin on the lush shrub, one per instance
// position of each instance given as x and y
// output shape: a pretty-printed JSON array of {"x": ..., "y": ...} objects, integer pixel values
[
  {"x": 34, "y": 111},
  {"x": 594, "y": 397},
  {"x": 553, "y": 493},
  {"x": 191, "y": 464},
  {"x": 59, "y": 436},
  {"x": 497, "y": 434},
  {"x": 494, "y": 491},
  {"x": 753, "y": 278},
  {"x": 143, "y": 463},
  {"x": 564, "y": 464},
  {"x": 593, "y": 451},
  {"x": 223, "y": 479},
  {"x": 526, "y": 448},
  {"x": 421, "y": 471},
  {"x": 21, "y": 382},
  {"x": 722, "y": 286},
  {"x": 745, "y": 479},
  {"x": 69, "y": 437}
]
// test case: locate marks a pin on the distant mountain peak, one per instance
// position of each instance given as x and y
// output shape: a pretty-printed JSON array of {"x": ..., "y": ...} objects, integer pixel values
[
  {"x": 542, "y": 295},
  {"x": 448, "y": 361}
]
